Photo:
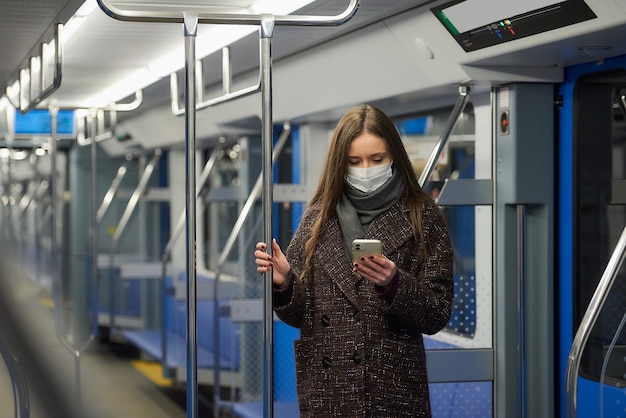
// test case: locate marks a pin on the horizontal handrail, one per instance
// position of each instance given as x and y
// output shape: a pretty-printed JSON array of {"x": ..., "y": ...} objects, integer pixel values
[
  {"x": 126, "y": 107},
  {"x": 206, "y": 15},
  {"x": 178, "y": 111},
  {"x": 98, "y": 128}
]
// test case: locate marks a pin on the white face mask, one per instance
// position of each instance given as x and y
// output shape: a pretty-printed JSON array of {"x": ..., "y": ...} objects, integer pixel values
[{"x": 368, "y": 179}]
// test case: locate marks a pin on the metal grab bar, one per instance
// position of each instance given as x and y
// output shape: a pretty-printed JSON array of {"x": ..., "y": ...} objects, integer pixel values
[
  {"x": 57, "y": 283},
  {"x": 208, "y": 15},
  {"x": 134, "y": 199},
  {"x": 445, "y": 135},
  {"x": 226, "y": 97},
  {"x": 266, "y": 33},
  {"x": 26, "y": 199},
  {"x": 190, "y": 32},
  {"x": 589, "y": 319},
  {"x": 44, "y": 91},
  {"x": 115, "y": 185},
  {"x": 230, "y": 242},
  {"x": 98, "y": 130}
]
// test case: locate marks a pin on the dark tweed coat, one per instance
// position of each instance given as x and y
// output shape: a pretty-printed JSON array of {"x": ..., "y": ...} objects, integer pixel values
[{"x": 359, "y": 355}]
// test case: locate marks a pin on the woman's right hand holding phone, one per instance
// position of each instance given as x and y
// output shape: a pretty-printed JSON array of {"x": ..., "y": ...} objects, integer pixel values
[{"x": 277, "y": 262}]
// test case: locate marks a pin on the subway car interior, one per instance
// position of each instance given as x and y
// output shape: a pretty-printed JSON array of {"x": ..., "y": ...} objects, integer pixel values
[{"x": 147, "y": 146}]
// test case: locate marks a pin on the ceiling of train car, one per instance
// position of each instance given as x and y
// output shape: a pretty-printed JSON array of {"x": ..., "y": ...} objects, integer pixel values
[{"x": 103, "y": 50}]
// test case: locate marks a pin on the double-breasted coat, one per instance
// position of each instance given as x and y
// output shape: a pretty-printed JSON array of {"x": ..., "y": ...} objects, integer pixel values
[{"x": 360, "y": 354}]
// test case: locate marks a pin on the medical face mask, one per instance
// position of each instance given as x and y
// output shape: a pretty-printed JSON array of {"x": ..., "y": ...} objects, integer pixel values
[{"x": 368, "y": 179}]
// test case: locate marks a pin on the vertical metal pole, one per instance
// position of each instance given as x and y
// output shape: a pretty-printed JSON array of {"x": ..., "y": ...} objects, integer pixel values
[
  {"x": 267, "y": 30},
  {"x": 190, "y": 32},
  {"x": 36, "y": 220},
  {"x": 94, "y": 218},
  {"x": 94, "y": 259},
  {"x": 10, "y": 205},
  {"x": 54, "y": 267},
  {"x": 493, "y": 100},
  {"x": 227, "y": 79},
  {"x": 521, "y": 309},
  {"x": 57, "y": 285}
]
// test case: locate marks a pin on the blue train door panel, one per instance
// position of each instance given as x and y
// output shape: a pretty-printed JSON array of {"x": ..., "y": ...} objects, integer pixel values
[{"x": 592, "y": 206}]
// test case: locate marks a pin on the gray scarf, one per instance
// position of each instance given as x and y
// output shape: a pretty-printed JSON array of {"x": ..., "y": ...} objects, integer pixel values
[{"x": 356, "y": 210}]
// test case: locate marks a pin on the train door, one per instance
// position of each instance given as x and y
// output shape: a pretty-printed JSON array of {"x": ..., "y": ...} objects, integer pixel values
[{"x": 592, "y": 206}]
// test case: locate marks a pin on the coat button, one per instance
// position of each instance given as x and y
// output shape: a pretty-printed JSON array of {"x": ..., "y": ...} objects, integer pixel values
[
  {"x": 326, "y": 362},
  {"x": 325, "y": 320},
  {"x": 356, "y": 358},
  {"x": 356, "y": 316}
]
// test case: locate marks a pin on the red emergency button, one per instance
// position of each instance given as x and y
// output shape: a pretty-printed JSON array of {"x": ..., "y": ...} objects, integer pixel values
[{"x": 504, "y": 123}]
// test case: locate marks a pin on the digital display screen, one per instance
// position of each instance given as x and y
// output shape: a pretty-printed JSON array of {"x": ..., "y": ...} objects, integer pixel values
[
  {"x": 477, "y": 24},
  {"x": 415, "y": 126},
  {"x": 39, "y": 122}
]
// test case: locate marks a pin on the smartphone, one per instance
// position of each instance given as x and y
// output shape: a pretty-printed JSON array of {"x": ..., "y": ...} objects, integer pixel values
[{"x": 365, "y": 248}]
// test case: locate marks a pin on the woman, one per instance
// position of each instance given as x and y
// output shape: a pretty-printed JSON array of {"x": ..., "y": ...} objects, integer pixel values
[{"x": 360, "y": 352}]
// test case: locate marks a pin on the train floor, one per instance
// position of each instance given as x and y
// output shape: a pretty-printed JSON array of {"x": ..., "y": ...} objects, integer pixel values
[{"x": 115, "y": 381}]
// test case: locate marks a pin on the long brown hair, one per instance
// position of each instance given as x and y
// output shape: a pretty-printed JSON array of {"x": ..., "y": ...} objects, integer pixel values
[{"x": 360, "y": 119}]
